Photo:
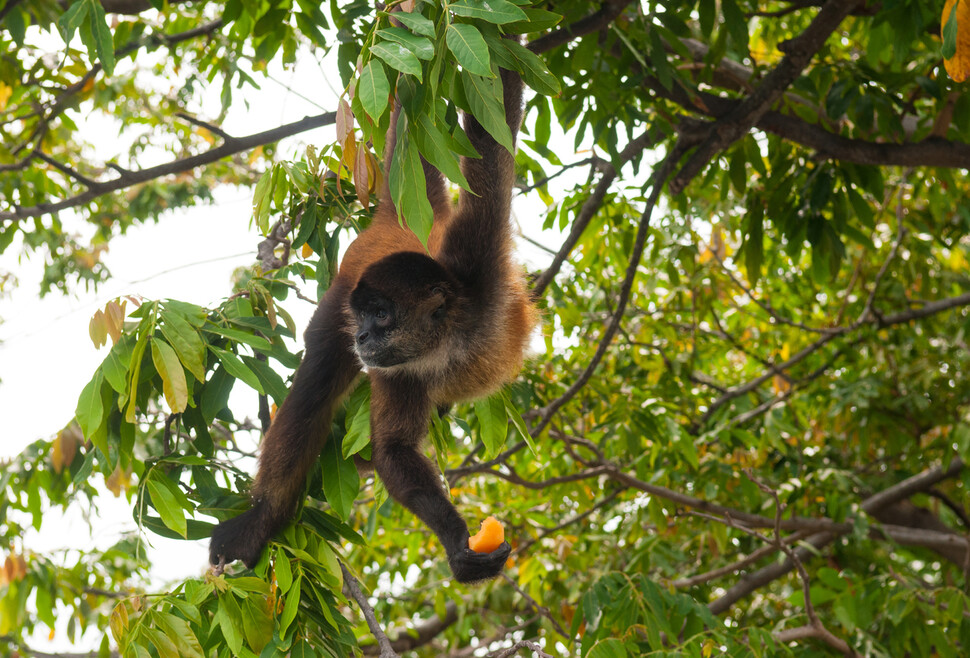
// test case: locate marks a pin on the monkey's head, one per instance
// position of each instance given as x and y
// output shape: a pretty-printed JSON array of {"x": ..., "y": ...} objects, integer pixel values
[{"x": 400, "y": 310}]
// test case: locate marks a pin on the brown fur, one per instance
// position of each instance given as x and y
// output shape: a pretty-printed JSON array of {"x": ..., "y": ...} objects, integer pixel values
[{"x": 477, "y": 347}]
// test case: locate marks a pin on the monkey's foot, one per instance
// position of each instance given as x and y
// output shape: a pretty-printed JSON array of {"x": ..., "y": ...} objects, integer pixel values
[
  {"x": 240, "y": 538},
  {"x": 471, "y": 567}
]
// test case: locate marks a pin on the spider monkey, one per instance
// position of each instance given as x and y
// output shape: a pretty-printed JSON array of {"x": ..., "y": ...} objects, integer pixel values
[{"x": 432, "y": 326}]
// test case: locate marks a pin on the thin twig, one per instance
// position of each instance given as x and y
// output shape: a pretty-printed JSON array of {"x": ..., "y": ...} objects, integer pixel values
[
  {"x": 522, "y": 644},
  {"x": 661, "y": 172}
]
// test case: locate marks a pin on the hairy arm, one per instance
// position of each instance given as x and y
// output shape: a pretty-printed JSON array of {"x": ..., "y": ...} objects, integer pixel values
[
  {"x": 479, "y": 240},
  {"x": 399, "y": 422},
  {"x": 292, "y": 445}
]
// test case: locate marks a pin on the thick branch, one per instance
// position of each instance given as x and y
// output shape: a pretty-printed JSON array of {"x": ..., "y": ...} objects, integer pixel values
[
  {"x": 871, "y": 505},
  {"x": 595, "y": 21},
  {"x": 931, "y": 152},
  {"x": 735, "y": 124}
]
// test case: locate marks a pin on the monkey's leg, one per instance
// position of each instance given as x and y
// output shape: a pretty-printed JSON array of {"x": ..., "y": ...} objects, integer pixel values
[
  {"x": 399, "y": 423},
  {"x": 290, "y": 448}
]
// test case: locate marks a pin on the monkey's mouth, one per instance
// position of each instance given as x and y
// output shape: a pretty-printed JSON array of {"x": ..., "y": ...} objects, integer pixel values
[{"x": 377, "y": 356}]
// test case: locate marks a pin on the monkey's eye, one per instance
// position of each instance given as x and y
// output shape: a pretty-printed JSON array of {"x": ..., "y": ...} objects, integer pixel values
[{"x": 380, "y": 314}]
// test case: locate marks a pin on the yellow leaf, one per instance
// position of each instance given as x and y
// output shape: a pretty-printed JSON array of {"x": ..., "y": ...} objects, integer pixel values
[
  {"x": 306, "y": 251},
  {"x": 5, "y": 93},
  {"x": 350, "y": 152},
  {"x": 345, "y": 120},
  {"x": 115, "y": 314},
  {"x": 361, "y": 174},
  {"x": 98, "y": 329},
  {"x": 118, "y": 621},
  {"x": 118, "y": 481},
  {"x": 173, "y": 376},
  {"x": 63, "y": 450},
  {"x": 959, "y": 65}
]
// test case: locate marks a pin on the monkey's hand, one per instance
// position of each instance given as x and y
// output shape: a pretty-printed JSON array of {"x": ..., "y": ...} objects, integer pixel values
[
  {"x": 471, "y": 567},
  {"x": 240, "y": 538}
]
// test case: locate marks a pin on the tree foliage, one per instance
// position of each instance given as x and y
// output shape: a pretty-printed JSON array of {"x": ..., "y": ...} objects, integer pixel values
[{"x": 748, "y": 429}]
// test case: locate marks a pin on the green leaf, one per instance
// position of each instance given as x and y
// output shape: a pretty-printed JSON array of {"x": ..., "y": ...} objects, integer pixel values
[
  {"x": 357, "y": 422},
  {"x": 494, "y": 423},
  {"x": 485, "y": 100},
  {"x": 517, "y": 422},
  {"x": 230, "y": 621},
  {"x": 145, "y": 329},
  {"x": 538, "y": 20},
  {"x": 419, "y": 46},
  {"x": 534, "y": 70},
  {"x": 165, "y": 647},
  {"x": 437, "y": 148},
  {"x": 290, "y": 606},
  {"x": 373, "y": 89},
  {"x": 608, "y": 648},
  {"x": 14, "y": 22},
  {"x": 284, "y": 573},
  {"x": 165, "y": 501},
  {"x": 469, "y": 48},
  {"x": 102, "y": 36},
  {"x": 262, "y": 199},
  {"x": 90, "y": 410},
  {"x": 754, "y": 246},
  {"x": 416, "y": 23},
  {"x": 237, "y": 368},
  {"x": 186, "y": 341},
  {"x": 194, "y": 314},
  {"x": 407, "y": 185},
  {"x": 173, "y": 377},
  {"x": 71, "y": 19},
  {"x": 180, "y": 633},
  {"x": 340, "y": 479},
  {"x": 736, "y": 23},
  {"x": 398, "y": 57},
  {"x": 257, "y": 623},
  {"x": 269, "y": 378},
  {"x": 950, "y": 32},
  {"x": 499, "y": 12},
  {"x": 215, "y": 394}
]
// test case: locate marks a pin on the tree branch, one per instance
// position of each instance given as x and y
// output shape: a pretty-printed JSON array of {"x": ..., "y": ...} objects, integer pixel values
[
  {"x": 420, "y": 634},
  {"x": 735, "y": 124},
  {"x": 595, "y": 21},
  {"x": 352, "y": 587},
  {"x": 660, "y": 174},
  {"x": 229, "y": 147},
  {"x": 899, "y": 491},
  {"x": 589, "y": 210}
]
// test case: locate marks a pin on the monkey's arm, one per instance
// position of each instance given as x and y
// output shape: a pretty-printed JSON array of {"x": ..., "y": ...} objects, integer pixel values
[
  {"x": 301, "y": 425},
  {"x": 399, "y": 422},
  {"x": 479, "y": 238}
]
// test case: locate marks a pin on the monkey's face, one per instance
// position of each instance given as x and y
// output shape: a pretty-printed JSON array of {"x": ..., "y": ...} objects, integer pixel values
[{"x": 400, "y": 312}]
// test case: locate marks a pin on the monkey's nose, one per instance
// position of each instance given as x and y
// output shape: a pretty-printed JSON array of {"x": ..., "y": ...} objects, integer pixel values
[{"x": 362, "y": 337}]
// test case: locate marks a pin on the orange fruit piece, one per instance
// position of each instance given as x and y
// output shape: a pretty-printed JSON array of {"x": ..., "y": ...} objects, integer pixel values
[{"x": 489, "y": 537}]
